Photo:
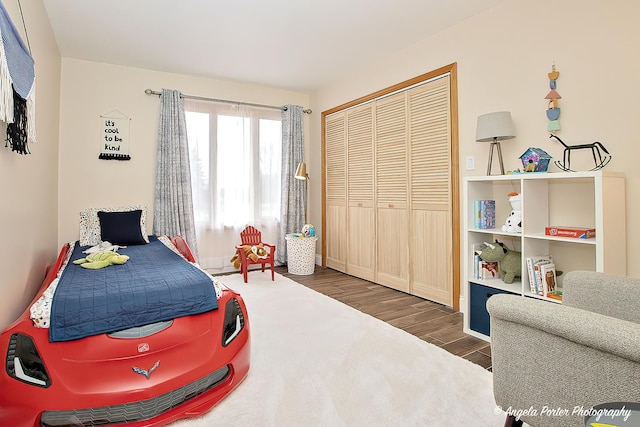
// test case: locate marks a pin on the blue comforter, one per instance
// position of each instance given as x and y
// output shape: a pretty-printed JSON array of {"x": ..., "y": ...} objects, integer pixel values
[{"x": 155, "y": 284}]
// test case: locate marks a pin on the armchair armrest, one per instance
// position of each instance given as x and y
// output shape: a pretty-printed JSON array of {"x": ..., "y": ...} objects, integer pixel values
[
  {"x": 559, "y": 357},
  {"x": 594, "y": 330},
  {"x": 270, "y": 246},
  {"x": 604, "y": 293}
]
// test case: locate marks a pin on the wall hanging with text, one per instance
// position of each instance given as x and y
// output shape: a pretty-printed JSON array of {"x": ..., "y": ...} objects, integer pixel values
[{"x": 114, "y": 136}]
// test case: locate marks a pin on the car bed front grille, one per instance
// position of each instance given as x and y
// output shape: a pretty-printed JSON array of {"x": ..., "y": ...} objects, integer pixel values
[{"x": 134, "y": 411}]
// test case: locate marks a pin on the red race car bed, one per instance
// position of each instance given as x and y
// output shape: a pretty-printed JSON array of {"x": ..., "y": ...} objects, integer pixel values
[{"x": 149, "y": 374}]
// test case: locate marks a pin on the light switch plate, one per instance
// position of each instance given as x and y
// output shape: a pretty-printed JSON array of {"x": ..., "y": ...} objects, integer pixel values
[{"x": 471, "y": 163}]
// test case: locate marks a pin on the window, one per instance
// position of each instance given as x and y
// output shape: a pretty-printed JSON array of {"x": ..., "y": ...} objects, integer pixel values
[{"x": 235, "y": 154}]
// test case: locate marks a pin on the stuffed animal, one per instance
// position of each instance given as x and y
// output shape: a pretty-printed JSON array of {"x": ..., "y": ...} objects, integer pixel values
[
  {"x": 260, "y": 251},
  {"x": 509, "y": 262},
  {"x": 513, "y": 223},
  {"x": 308, "y": 230},
  {"x": 101, "y": 259},
  {"x": 253, "y": 252}
]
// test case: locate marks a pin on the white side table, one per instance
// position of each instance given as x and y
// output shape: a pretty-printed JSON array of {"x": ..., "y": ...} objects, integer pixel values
[{"x": 301, "y": 255}]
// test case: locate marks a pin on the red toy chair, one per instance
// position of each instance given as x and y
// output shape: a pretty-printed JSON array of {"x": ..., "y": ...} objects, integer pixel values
[{"x": 252, "y": 236}]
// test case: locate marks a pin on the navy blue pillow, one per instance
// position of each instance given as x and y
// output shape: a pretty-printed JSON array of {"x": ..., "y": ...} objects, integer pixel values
[{"x": 121, "y": 228}]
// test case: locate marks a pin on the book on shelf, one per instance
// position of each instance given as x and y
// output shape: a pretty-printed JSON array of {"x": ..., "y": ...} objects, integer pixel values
[
  {"x": 476, "y": 262},
  {"x": 537, "y": 269},
  {"x": 484, "y": 214},
  {"x": 573, "y": 232},
  {"x": 530, "y": 275},
  {"x": 483, "y": 270},
  {"x": 477, "y": 249},
  {"x": 557, "y": 295},
  {"x": 548, "y": 275},
  {"x": 488, "y": 270},
  {"x": 534, "y": 274}
]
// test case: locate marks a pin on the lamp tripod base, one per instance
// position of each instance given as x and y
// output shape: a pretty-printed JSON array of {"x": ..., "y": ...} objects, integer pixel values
[{"x": 495, "y": 144}]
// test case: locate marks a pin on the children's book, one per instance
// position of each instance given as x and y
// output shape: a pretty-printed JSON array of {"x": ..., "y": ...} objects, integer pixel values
[
  {"x": 533, "y": 269},
  {"x": 477, "y": 249},
  {"x": 549, "y": 284},
  {"x": 488, "y": 270},
  {"x": 530, "y": 275},
  {"x": 484, "y": 214}
]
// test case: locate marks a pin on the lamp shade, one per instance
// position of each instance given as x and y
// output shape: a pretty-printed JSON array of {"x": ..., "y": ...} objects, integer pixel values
[
  {"x": 301, "y": 171},
  {"x": 494, "y": 126}
]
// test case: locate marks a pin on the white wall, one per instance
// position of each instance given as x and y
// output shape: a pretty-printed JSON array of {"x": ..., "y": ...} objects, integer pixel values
[
  {"x": 503, "y": 57},
  {"x": 91, "y": 89},
  {"x": 28, "y": 183}
]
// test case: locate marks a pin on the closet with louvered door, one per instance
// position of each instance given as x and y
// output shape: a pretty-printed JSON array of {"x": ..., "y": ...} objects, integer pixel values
[
  {"x": 361, "y": 225},
  {"x": 390, "y": 202},
  {"x": 430, "y": 191},
  {"x": 336, "y": 191},
  {"x": 392, "y": 192}
]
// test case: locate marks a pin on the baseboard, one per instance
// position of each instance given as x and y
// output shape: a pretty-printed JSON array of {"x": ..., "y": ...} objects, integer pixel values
[{"x": 463, "y": 305}]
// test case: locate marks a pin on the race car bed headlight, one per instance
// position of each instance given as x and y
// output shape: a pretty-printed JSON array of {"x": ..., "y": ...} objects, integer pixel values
[
  {"x": 233, "y": 321},
  {"x": 24, "y": 363}
]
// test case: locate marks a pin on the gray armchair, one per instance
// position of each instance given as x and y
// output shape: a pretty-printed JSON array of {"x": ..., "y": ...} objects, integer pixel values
[{"x": 578, "y": 354}]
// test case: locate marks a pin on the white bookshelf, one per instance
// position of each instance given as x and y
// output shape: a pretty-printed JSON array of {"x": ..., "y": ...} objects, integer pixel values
[{"x": 581, "y": 199}]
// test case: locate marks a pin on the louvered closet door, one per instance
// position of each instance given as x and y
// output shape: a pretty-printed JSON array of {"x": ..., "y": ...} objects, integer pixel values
[
  {"x": 361, "y": 228},
  {"x": 392, "y": 260},
  {"x": 430, "y": 172},
  {"x": 336, "y": 191}
]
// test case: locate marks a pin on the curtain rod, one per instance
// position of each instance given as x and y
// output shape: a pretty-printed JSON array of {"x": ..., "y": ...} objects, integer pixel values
[{"x": 204, "y": 98}]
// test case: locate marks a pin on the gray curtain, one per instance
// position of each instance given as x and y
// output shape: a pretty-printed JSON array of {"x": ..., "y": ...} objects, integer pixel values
[
  {"x": 173, "y": 213},
  {"x": 294, "y": 197}
]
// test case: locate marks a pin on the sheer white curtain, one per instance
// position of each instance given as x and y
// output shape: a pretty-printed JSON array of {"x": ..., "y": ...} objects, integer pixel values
[{"x": 236, "y": 156}]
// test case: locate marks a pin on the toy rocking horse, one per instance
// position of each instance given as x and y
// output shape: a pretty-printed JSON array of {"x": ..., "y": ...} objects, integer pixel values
[{"x": 599, "y": 159}]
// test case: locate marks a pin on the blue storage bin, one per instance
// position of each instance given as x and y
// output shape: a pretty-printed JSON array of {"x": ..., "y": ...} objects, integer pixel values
[{"x": 478, "y": 314}]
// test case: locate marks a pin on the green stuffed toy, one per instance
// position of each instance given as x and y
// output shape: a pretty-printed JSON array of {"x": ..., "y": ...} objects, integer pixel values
[
  {"x": 509, "y": 261},
  {"x": 101, "y": 259}
]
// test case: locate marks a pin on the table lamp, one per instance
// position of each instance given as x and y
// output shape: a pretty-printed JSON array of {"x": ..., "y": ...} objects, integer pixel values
[{"x": 495, "y": 127}]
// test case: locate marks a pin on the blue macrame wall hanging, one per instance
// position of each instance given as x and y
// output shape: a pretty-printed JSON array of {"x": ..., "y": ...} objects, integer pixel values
[{"x": 17, "y": 87}]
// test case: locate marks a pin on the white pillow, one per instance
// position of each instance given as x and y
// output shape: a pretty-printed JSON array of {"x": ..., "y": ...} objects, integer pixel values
[{"x": 90, "y": 224}]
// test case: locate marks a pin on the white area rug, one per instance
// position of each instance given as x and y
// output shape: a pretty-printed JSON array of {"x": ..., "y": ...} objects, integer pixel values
[{"x": 318, "y": 362}]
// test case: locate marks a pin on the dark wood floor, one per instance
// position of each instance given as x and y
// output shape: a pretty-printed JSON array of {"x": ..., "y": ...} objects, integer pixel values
[{"x": 427, "y": 320}]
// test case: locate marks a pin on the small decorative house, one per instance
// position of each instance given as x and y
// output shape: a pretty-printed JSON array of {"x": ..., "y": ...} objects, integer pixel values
[{"x": 535, "y": 160}]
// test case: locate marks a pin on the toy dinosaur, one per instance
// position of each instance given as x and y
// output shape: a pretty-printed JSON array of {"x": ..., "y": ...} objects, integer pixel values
[
  {"x": 509, "y": 261},
  {"x": 101, "y": 259}
]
